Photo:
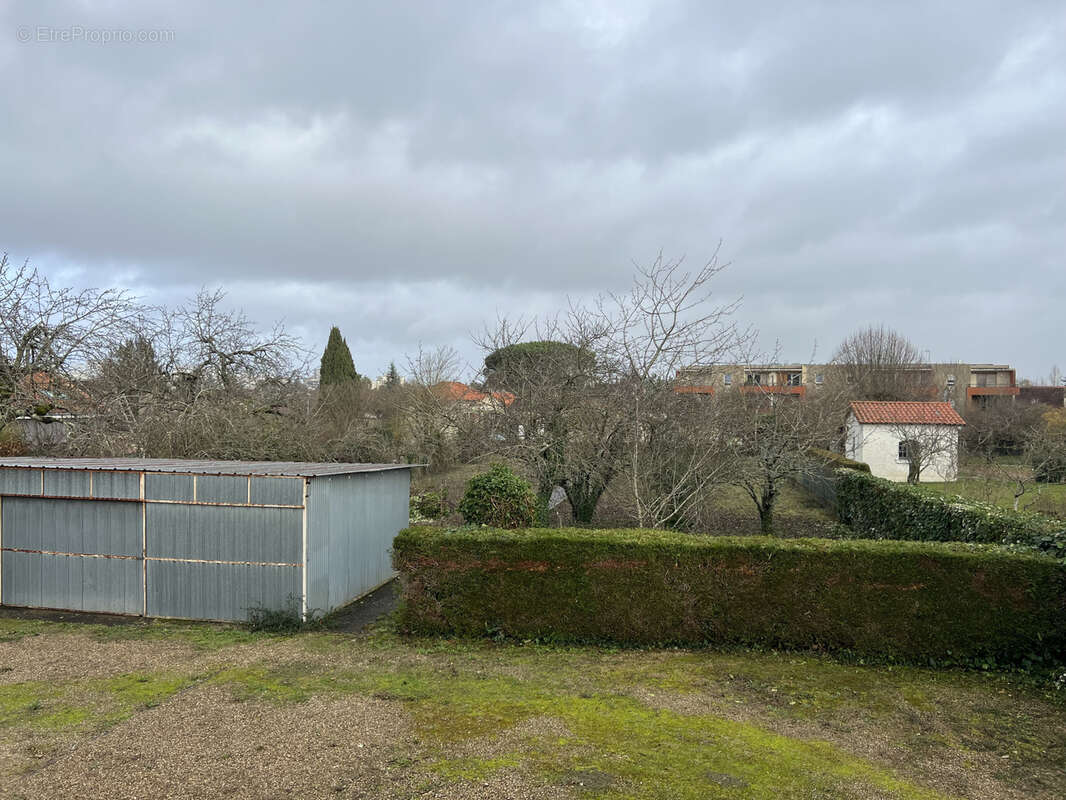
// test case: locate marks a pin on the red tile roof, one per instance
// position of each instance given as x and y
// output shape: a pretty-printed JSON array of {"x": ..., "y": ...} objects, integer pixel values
[
  {"x": 912, "y": 413},
  {"x": 460, "y": 392}
]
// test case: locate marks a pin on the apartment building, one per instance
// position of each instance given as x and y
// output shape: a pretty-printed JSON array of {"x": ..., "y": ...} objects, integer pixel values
[{"x": 965, "y": 386}]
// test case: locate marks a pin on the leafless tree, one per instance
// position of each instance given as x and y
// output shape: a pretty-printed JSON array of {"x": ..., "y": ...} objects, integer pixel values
[
  {"x": 441, "y": 420},
  {"x": 210, "y": 344},
  {"x": 50, "y": 336},
  {"x": 595, "y": 397},
  {"x": 880, "y": 364},
  {"x": 775, "y": 439},
  {"x": 926, "y": 447},
  {"x": 1037, "y": 437},
  {"x": 200, "y": 380}
]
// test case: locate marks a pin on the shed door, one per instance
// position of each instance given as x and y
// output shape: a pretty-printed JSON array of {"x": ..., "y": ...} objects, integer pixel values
[{"x": 82, "y": 555}]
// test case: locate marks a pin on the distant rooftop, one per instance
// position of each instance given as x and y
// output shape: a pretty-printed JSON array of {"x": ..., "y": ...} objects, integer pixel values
[{"x": 288, "y": 469}]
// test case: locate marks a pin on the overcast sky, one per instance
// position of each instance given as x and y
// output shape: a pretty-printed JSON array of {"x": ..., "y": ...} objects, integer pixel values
[{"x": 406, "y": 170}]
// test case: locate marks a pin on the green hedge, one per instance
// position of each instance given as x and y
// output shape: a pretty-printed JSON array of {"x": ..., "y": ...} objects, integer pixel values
[
  {"x": 907, "y": 600},
  {"x": 831, "y": 459},
  {"x": 882, "y": 509}
]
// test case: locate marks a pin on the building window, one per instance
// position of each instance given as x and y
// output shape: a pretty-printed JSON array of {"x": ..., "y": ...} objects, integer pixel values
[
  {"x": 905, "y": 450},
  {"x": 727, "y": 380},
  {"x": 795, "y": 379},
  {"x": 819, "y": 379},
  {"x": 754, "y": 379},
  {"x": 951, "y": 381}
]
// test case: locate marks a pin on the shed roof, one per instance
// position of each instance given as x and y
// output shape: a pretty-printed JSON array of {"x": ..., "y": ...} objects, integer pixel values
[
  {"x": 893, "y": 412},
  {"x": 290, "y": 469}
]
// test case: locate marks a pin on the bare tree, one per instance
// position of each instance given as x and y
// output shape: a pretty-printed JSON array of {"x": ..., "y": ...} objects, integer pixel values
[
  {"x": 680, "y": 454},
  {"x": 1040, "y": 439},
  {"x": 776, "y": 439},
  {"x": 202, "y": 381},
  {"x": 928, "y": 447},
  {"x": 441, "y": 420},
  {"x": 50, "y": 336},
  {"x": 217, "y": 346},
  {"x": 595, "y": 395},
  {"x": 880, "y": 364}
]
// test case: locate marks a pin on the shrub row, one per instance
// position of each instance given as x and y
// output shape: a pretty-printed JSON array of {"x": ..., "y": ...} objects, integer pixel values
[
  {"x": 912, "y": 601},
  {"x": 882, "y": 509},
  {"x": 836, "y": 460}
]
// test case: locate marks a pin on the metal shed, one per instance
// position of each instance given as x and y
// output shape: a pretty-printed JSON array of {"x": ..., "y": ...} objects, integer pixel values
[{"x": 195, "y": 539}]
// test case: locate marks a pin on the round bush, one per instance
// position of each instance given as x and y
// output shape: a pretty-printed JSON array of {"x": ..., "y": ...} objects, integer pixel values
[{"x": 499, "y": 498}]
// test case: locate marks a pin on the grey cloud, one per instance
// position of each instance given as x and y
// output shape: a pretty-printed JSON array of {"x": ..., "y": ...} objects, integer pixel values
[{"x": 862, "y": 161}]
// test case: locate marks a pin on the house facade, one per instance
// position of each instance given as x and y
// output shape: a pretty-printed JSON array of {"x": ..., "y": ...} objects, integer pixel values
[{"x": 898, "y": 439}]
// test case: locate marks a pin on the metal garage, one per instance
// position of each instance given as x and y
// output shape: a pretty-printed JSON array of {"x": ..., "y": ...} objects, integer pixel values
[{"x": 195, "y": 539}]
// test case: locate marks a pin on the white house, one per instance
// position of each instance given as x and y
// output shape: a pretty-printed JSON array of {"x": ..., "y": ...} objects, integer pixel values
[{"x": 901, "y": 439}]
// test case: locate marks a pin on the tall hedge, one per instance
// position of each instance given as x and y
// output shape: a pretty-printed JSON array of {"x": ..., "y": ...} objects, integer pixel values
[
  {"x": 336, "y": 366},
  {"x": 836, "y": 460},
  {"x": 908, "y": 600},
  {"x": 882, "y": 509}
]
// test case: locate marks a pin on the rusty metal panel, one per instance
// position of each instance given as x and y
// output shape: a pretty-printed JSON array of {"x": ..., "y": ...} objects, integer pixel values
[
  {"x": 66, "y": 483},
  {"x": 277, "y": 491},
  {"x": 352, "y": 520},
  {"x": 164, "y": 486},
  {"x": 96, "y": 527},
  {"x": 218, "y": 591},
  {"x": 78, "y": 583},
  {"x": 221, "y": 489},
  {"x": 223, "y": 533},
  {"x": 20, "y": 481},
  {"x": 120, "y": 485}
]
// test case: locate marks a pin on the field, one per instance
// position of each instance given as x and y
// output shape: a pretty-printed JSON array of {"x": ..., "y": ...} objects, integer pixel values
[
  {"x": 728, "y": 509},
  {"x": 153, "y": 710},
  {"x": 994, "y": 486}
]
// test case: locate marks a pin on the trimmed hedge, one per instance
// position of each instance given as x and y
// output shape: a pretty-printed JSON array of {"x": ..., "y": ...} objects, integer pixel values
[
  {"x": 882, "y": 509},
  {"x": 836, "y": 460},
  {"x": 945, "y": 603}
]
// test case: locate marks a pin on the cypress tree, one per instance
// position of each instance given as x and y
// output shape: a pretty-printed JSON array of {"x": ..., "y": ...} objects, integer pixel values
[
  {"x": 337, "y": 365},
  {"x": 392, "y": 377}
]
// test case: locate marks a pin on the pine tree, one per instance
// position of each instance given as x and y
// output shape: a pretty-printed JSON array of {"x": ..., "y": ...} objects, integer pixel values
[
  {"x": 337, "y": 365},
  {"x": 392, "y": 377}
]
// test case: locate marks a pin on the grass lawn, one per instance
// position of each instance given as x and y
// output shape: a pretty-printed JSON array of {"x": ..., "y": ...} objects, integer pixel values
[
  {"x": 993, "y": 487},
  {"x": 796, "y": 513},
  {"x": 729, "y": 509},
  {"x": 155, "y": 709}
]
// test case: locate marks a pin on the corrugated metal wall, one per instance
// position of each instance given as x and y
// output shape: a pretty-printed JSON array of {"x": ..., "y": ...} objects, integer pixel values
[
  {"x": 77, "y": 554},
  {"x": 352, "y": 520},
  {"x": 195, "y": 546}
]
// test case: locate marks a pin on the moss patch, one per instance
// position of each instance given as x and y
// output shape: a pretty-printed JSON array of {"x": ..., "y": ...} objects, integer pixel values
[
  {"x": 85, "y": 703},
  {"x": 651, "y": 752}
]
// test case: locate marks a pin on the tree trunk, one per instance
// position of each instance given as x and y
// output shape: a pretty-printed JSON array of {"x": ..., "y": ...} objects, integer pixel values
[
  {"x": 584, "y": 496},
  {"x": 914, "y": 474},
  {"x": 766, "y": 509}
]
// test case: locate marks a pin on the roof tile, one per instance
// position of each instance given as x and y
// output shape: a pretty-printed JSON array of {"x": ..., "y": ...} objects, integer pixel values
[{"x": 896, "y": 412}]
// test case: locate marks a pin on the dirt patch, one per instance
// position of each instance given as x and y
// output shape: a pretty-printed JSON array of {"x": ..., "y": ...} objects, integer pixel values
[
  {"x": 208, "y": 746},
  {"x": 60, "y": 657}
]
